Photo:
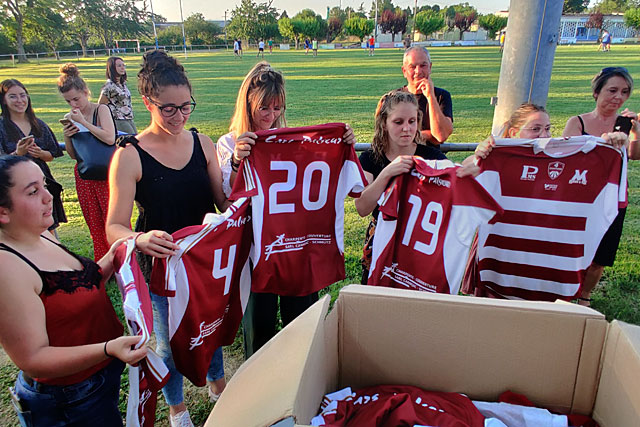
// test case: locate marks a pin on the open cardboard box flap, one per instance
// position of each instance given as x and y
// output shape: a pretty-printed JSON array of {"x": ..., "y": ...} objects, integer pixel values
[{"x": 550, "y": 352}]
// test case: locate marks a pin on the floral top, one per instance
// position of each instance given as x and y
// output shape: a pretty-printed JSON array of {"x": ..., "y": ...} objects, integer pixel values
[{"x": 119, "y": 100}]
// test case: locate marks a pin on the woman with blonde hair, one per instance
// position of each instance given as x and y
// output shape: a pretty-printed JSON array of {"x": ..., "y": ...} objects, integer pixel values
[
  {"x": 93, "y": 195},
  {"x": 260, "y": 106}
]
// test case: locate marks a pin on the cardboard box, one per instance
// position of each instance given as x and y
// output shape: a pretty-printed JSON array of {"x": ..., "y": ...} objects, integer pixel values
[{"x": 562, "y": 356}]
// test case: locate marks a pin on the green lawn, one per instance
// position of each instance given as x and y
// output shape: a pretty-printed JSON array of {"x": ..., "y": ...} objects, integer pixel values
[{"x": 345, "y": 86}]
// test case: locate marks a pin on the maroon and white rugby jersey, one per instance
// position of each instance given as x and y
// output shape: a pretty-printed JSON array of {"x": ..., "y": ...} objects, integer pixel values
[
  {"x": 427, "y": 220},
  {"x": 559, "y": 198},
  {"x": 297, "y": 179},
  {"x": 393, "y": 406},
  {"x": 151, "y": 374},
  {"x": 208, "y": 283}
]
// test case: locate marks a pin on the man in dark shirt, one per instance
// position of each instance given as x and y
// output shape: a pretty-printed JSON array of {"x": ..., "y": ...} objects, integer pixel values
[{"x": 434, "y": 102}]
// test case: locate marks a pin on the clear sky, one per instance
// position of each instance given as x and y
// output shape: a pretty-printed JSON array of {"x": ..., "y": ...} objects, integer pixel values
[{"x": 215, "y": 9}]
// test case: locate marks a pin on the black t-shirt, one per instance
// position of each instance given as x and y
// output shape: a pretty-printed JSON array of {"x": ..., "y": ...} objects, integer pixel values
[
  {"x": 444, "y": 100},
  {"x": 374, "y": 166}
]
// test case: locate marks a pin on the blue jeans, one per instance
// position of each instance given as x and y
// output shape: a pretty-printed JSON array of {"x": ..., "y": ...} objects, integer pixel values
[
  {"x": 172, "y": 391},
  {"x": 93, "y": 401}
]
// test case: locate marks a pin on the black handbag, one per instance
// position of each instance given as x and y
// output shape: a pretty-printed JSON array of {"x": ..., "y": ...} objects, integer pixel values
[{"x": 93, "y": 156}]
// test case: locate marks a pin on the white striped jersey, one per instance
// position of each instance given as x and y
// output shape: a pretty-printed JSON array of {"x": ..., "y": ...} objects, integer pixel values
[
  {"x": 428, "y": 218},
  {"x": 208, "y": 283},
  {"x": 559, "y": 198}
]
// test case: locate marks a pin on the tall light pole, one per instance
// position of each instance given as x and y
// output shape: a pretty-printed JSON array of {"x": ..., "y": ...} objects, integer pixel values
[
  {"x": 226, "y": 41},
  {"x": 153, "y": 23},
  {"x": 375, "y": 23},
  {"x": 415, "y": 11},
  {"x": 184, "y": 38}
]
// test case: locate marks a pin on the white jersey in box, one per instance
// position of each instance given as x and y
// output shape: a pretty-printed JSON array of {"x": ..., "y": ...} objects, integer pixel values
[
  {"x": 297, "y": 179},
  {"x": 427, "y": 220},
  {"x": 559, "y": 198},
  {"x": 151, "y": 374},
  {"x": 208, "y": 282}
]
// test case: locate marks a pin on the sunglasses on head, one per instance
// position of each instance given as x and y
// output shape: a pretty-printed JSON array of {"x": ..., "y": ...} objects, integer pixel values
[{"x": 609, "y": 70}]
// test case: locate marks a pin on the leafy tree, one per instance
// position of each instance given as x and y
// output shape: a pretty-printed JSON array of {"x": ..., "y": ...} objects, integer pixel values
[
  {"x": 359, "y": 27},
  {"x": 575, "y": 6},
  {"x": 632, "y": 18},
  {"x": 596, "y": 20},
  {"x": 252, "y": 21},
  {"x": 308, "y": 24},
  {"x": 428, "y": 22},
  {"x": 608, "y": 7},
  {"x": 382, "y": 6},
  {"x": 492, "y": 23},
  {"x": 17, "y": 11},
  {"x": 334, "y": 27},
  {"x": 340, "y": 14},
  {"x": 47, "y": 25},
  {"x": 463, "y": 21},
  {"x": 393, "y": 21},
  {"x": 170, "y": 36},
  {"x": 199, "y": 30}
]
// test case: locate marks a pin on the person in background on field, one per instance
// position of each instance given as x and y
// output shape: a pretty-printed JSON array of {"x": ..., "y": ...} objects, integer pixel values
[
  {"x": 372, "y": 45},
  {"x": 503, "y": 36},
  {"x": 606, "y": 41},
  {"x": 57, "y": 323},
  {"x": 435, "y": 103},
  {"x": 235, "y": 47},
  {"x": 260, "y": 48},
  {"x": 407, "y": 42},
  {"x": 174, "y": 177},
  {"x": 314, "y": 46},
  {"x": 260, "y": 105},
  {"x": 116, "y": 95},
  {"x": 307, "y": 46},
  {"x": 240, "y": 48},
  {"x": 23, "y": 134},
  {"x": 396, "y": 139},
  {"x": 93, "y": 195},
  {"x": 270, "y": 46},
  {"x": 611, "y": 88}
]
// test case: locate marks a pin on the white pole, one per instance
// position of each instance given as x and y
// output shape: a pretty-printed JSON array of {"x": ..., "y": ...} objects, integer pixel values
[
  {"x": 153, "y": 23},
  {"x": 184, "y": 38}
]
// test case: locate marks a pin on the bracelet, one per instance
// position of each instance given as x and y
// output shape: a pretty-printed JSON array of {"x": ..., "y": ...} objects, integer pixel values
[
  {"x": 234, "y": 166},
  {"x": 135, "y": 239},
  {"x": 105, "y": 349}
]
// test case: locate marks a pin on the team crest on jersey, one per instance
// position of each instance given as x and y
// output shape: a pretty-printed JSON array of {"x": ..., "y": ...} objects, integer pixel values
[
  {"x": 579, "y": 177},
  {"x": 406, "y": 279},
  {"x": 529, "y": 173},
  {"x": 551, "y": 187},
  {"x": 555, "y": 169},
  {"x": 206, "y": 330},
  {"x": 290, "y": 244}
]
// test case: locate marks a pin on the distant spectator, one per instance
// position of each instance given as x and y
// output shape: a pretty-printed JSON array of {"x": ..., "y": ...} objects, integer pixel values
[
  {"x": 235, "y": 48},
  {"x": 240, "y": 48},
  {"x": 270, "y": 46},
  {"x": 503, "y": 36},
  {"x": 407, "y": 42},
  {"x": 314, "y": 45},
  {"x": 17, "y": 123},
  {"x": 606, "y": 41},
  {"x": 307, "y": 46},
  {"x": 260, "y": 48},
  {"x": 116, "y": 95},
  {"x": 372, "y": 45},
  {"x": 435, "y": 103}
]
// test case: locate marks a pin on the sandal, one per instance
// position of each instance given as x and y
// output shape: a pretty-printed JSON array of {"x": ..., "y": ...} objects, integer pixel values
[{"x": 585, "y": 302}]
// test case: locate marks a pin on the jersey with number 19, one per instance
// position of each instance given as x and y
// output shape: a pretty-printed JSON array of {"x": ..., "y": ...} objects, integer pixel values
[
  {"x": 427, "y": 220},
  {"x": 208, "y": 281},
  {"x": 297, "y": 179}
]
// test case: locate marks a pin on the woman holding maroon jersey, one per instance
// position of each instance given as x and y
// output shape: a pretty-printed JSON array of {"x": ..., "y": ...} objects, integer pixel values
[
  {"x": 57, "y": 323},
  {"x": 611, "y": 88},
  {"x": 174, "y": 177},
  {"x": 260, "y": 105}
]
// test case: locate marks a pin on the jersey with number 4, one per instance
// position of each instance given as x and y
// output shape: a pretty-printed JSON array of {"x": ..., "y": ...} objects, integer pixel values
[
  {"x": 427, "y": 220},
  {"x": 559, "y": 198},
  {"x": 297, "y": 179},
  {"x": 208, "y": 282}
]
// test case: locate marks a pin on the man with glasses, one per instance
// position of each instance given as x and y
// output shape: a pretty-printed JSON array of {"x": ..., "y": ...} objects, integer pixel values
[{"x": 434, "y": 102}]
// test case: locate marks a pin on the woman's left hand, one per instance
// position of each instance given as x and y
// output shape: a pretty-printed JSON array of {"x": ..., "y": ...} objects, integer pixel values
[
  {"x": 635, "y": 128},
  {"x": 77, "y": 117},
  {"x": 617, "y": 139},
  {"x": 349, "y": 137},
  {"x": 35, "y": 151}
]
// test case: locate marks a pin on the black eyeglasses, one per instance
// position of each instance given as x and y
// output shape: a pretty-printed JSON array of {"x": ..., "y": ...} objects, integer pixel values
[{"x": 170, "y": 110}]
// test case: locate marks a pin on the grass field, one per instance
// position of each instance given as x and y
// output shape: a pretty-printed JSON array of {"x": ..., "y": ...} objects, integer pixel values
[{"x": 345, "y": 86}]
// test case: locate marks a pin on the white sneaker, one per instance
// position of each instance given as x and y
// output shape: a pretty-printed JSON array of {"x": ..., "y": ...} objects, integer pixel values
[
  {"x": 181, "y": 419},
  {"x": 213, "y": 397}
]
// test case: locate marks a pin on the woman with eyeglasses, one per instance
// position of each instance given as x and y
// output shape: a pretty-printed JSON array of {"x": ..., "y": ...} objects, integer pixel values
[
  {"x": 116, "y": 95},
  {"x": 173, "y": 176},
  {"x": 611, "y": 88},
  {"x": 23, "y": 134},
  {"x": 93, "y": 195},
  {"x": 260, "y": 105}
]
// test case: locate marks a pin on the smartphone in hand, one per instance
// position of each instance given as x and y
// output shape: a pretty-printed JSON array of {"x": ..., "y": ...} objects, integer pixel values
[
  {"x": 623, "y": 124},
  {"x": 65, "y": 122},
  {"x": 25, "y": 139}
]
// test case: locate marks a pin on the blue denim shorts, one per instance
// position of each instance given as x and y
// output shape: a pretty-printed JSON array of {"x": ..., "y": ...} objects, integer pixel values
[{"x": 92, "y": 402}]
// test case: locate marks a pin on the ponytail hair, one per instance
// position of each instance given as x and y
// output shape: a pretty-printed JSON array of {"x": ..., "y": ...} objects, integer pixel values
[
  {"x": 159, "y": 70},
  {"x": 70, "y": 79}
]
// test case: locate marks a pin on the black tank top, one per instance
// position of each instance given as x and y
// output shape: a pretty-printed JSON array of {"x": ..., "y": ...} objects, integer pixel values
[{"x": 170, "y": 199}]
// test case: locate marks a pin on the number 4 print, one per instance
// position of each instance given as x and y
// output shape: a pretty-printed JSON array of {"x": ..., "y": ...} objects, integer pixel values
[
  {"x": 226, "y": 272},
  {"x": 426, "y": 224},
  {"x": 292, "y": 169}
]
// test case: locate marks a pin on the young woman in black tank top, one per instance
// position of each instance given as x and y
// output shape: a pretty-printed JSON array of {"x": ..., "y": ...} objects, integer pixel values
[
  {"x": 174, "y": 177},
  {"x": 56, "y": 320}
]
